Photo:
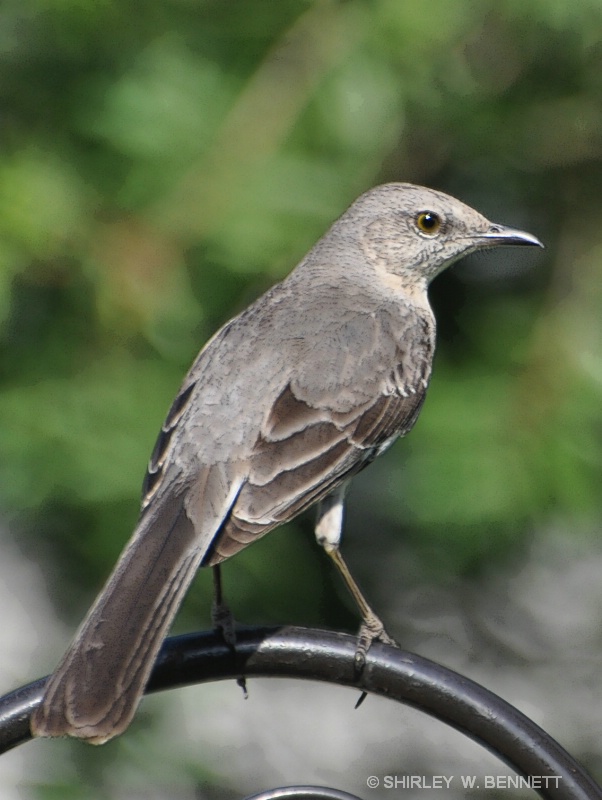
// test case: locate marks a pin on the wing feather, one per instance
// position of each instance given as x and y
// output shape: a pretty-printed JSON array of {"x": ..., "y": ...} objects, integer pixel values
[
  {"x": 289, "y": 473},
  {"x": 154, "y": 471}
]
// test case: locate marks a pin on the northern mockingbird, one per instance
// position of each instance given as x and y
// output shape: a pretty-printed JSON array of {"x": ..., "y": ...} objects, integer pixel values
[{"x": 282, "y": 407}]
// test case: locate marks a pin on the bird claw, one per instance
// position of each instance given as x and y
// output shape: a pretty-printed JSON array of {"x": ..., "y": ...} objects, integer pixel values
[
  {"x": 224, "y": 623},
  {"x": 371, "y": 630}
]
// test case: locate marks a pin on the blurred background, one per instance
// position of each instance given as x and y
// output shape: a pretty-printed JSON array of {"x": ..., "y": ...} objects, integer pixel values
[{"x": 160, "y": 167}]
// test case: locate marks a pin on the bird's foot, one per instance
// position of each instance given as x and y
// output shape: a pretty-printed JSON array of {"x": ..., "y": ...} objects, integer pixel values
[
  {"x": 224, "y": 623},
  {"x": 371, "y": 630}
]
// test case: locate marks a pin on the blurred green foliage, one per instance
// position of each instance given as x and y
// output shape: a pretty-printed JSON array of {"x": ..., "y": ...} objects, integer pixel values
[{"x": 161, "y": 166}]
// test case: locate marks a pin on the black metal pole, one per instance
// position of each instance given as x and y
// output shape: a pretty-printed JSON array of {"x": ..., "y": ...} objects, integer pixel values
[{"x": 328, "y": 656}]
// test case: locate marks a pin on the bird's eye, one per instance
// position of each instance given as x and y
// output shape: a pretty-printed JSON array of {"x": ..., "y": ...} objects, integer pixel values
[{"x": 428, "y": 222}]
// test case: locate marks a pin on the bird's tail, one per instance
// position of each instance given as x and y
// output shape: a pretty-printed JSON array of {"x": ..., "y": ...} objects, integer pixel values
[{"x": 94, "y": 692}]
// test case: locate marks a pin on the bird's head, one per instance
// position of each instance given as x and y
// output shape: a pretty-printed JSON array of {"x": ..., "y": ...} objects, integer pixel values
[{"x": 414, "y": 233}]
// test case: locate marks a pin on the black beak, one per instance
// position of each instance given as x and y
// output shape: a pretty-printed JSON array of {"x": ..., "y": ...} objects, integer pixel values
[{"x": 500, "y": 234}]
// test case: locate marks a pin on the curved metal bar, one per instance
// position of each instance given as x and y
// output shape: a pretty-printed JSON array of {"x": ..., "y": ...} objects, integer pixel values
[
  {"x": 329, "y": 656},
  {"x": 15, "y": 710},
  {"x": 302, "y": 793}
]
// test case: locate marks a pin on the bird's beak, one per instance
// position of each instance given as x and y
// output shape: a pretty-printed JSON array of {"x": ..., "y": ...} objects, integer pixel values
[{"x": 500, "y": 234}]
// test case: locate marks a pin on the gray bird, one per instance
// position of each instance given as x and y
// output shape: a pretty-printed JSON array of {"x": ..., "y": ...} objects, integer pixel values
[{"x": 282, "y": 407}]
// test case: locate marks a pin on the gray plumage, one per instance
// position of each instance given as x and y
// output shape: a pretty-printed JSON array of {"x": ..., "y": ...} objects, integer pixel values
[{"x": 285, "y": 403}]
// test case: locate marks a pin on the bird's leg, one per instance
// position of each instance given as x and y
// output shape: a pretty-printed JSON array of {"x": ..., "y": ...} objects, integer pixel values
[
  {"x": 223, "y": 620},
  {"x": 372, "y": 627},
  {"x": 329, "y": 527},
  {"x": 221, "y": 616}
]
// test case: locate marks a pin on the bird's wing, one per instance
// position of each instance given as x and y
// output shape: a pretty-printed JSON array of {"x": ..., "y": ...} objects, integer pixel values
[
  {"x": 305, "y": 451},
  {"x": 154, "y": 477}
]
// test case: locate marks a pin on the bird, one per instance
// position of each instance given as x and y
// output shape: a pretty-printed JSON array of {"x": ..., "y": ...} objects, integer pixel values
[{"x": 282, "y": 407}]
